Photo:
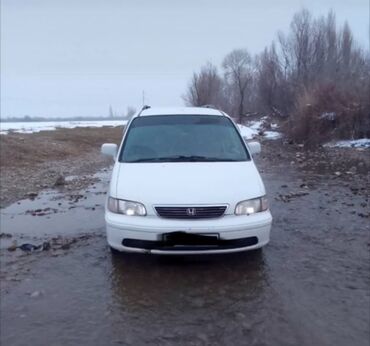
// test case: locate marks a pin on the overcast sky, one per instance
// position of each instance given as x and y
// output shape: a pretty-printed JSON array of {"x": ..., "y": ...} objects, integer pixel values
[{"x": 77, "y": 57}]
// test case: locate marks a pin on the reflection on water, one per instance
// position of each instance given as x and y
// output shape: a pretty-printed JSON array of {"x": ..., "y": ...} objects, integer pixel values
[
  {"x": 182, "y": 296},
  {"x": 177, "y": 279}
]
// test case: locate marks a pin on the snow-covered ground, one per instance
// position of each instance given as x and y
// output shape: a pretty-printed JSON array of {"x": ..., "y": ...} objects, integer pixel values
[
  {"x": 255, "y": 126},
  {"x": 37, "y": 126},
  {"x": 356, "y": 143},
  {"x": 272, "y": 135},
  {"x": 249, "y": 131}
]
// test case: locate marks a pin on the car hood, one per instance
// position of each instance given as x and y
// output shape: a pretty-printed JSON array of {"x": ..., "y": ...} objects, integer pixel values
[{"x": 189, "y": 183}]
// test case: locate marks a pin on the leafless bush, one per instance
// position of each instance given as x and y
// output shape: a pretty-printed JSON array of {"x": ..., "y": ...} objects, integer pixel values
[{"x": 325, "y": 112}]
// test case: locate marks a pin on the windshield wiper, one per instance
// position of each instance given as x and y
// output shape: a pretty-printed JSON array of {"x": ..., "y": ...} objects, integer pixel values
[
  {"x": 184, "y": 158},
  {"x": 197, "y": 158},
  {"x": 147, "y": 159}
]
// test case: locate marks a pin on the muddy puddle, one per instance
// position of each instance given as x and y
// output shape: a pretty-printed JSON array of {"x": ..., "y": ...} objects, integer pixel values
[
  {"x": 55, "y": 213},
  {"x": 309, "y": 286}
]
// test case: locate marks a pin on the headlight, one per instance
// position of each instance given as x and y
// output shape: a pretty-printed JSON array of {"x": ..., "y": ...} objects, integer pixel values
[
  {"x": 251, "y": 206},
  {"x": 129, "y": 208}
]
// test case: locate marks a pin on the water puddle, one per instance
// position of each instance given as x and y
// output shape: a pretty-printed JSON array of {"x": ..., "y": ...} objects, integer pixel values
[{"x": 56, "y": 213}]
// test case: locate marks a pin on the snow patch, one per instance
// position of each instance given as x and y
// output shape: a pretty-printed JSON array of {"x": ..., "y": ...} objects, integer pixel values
[
  {"x": 356, "y": 143},
  {"x": 328, "y": 116},
  {"x": 272, "y": 135},
  {"x": 247, "y": 132},
  {"x": 257, "y": 126},
  {"x": 37, "y": 126}
]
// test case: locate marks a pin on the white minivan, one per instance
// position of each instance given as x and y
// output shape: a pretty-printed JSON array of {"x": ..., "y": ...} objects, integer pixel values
[{"x": 184, "y": 182}]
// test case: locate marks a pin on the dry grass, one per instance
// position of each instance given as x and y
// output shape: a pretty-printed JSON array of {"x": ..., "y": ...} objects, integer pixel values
[
  {"x": 32, "y": 162},
  {"x": 28, "y": 150},
  {"x": 351, "y": 118}
]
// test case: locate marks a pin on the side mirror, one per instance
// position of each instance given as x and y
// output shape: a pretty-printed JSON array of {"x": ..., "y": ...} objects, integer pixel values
[
  {"x": 254, "y": 148},
  {"x": 109, "y": 149}
]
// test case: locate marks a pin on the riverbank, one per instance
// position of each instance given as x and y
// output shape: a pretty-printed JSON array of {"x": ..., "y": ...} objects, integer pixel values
[{"x": 65, "y": 158}]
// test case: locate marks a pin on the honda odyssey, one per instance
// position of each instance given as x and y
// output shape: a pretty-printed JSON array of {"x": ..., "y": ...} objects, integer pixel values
[{"x": 184, "y": 182}]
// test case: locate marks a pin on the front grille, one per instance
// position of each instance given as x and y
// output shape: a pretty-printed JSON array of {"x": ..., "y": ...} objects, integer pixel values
[{"x": 191, "y": 212}]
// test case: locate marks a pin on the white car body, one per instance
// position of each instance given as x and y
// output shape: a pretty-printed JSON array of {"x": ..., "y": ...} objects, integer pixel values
[{"x": 190, "y": 185}]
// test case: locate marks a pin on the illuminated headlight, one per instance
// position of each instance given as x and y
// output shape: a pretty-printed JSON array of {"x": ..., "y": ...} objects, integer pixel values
[
  {"x": 129, "y": 208},
  {"x": 251, "y": 206}
]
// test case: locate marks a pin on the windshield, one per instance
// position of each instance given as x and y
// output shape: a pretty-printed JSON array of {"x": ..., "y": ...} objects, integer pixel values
[{"x": 183, "y": 138}]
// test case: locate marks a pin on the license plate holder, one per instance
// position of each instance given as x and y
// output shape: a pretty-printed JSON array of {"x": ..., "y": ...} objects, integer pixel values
[{"x": 185, "y": 238}]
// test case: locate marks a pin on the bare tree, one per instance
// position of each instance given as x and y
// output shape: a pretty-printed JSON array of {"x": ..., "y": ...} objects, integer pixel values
[
  {"x": 205, "y": 88},
  {"x": 312, "y": 71},
  {"x": 269, "y": 77},
  {"x": 239, "y": 75},
  {"x": 346, "y": 45},
  {"x": 331, "y": 42},
  {"x": 301, "y": 46}
]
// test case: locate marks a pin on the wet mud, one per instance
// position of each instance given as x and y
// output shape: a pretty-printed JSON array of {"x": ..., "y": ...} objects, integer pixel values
[{"x": 309, "y": 286}]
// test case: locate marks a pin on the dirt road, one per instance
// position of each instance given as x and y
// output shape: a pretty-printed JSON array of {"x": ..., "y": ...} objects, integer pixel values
[{"x": 310, "y": 285}]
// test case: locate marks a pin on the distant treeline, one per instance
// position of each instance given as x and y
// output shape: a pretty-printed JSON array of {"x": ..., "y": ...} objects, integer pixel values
[
  {"x": 112, "y": 115},
  {"x": 316, "y": 78},
  {"x": 28, "y": 118}
]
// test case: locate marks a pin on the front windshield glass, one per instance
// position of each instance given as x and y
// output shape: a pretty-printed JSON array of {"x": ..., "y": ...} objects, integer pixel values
[{"x": 183, "y": 138}]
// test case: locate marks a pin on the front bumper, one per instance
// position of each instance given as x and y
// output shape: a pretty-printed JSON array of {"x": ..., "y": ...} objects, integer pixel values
[{"x": 152, "y": 228}]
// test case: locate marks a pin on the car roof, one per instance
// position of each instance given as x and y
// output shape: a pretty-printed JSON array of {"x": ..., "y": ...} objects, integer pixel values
[{"x": 179, "y": 111}]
